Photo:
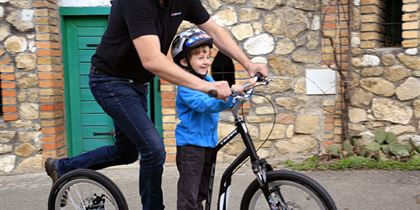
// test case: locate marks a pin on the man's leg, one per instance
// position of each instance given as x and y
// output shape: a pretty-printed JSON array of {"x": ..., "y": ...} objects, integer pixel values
[
  {"x": 126, "y": 103},
  {"x": 123, "y": 151},
  {"x": 137, "y": 126},
  {"x": 189, "y": 161}
]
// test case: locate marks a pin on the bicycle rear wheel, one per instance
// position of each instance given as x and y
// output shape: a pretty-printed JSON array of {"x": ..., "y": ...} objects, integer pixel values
[
  {"x": 290, "y": 190},
  {"x": 85, "y": 189}
]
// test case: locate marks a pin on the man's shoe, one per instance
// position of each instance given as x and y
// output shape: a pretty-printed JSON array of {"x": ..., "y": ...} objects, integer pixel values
[{"x": 51, "y": 169}]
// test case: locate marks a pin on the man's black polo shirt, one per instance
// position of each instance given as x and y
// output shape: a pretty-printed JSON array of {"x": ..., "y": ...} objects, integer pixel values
[{"x": 129, "y": 19}]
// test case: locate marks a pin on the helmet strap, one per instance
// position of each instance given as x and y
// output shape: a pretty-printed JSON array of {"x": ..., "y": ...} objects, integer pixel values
[{"x": 191, "y": 70}]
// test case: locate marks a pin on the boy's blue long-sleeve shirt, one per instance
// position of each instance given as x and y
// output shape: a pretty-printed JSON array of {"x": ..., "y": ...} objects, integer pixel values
[{"x": 198, "y": 114}]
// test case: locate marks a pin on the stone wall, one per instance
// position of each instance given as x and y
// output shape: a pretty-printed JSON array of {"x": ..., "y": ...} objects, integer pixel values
[
  {"x": 386, "y": 81},
  {"x": 286, "y": 35},
  {"x": 289, "y": 36},
  {"x": 32, "y": 85},
  {"x": 32, "y": 80}
]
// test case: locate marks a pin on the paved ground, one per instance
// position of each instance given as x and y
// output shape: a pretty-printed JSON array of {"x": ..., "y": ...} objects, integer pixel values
[{"x": 352, "y": 190}]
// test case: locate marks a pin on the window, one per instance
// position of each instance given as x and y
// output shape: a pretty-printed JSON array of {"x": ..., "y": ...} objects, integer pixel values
[
  {"x": 223, "y": 68},
  {"x": 393, "y": 23}
]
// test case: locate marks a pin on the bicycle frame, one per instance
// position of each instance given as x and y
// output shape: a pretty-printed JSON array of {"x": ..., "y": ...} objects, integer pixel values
[{"x": 259, "y": 166}]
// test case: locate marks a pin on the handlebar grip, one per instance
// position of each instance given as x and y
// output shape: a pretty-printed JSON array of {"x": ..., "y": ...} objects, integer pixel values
[
  {"x": 212, "y": 93},
  {"x": 259, "y": 76}
]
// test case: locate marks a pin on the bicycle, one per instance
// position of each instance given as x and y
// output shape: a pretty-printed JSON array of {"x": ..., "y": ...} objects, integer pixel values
[{"x": 271, "y": 189}]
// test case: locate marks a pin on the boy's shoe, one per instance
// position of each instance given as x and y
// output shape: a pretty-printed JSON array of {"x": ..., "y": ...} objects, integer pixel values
[{"x": 51, "y": 169}]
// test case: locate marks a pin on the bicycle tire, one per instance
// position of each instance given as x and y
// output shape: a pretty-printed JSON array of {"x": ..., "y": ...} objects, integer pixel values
[
  {"x": 79, "y": 182},
  {"x": 288, "y": 179}
]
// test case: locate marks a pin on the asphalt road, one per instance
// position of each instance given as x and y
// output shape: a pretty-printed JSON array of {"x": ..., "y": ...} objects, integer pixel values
[{"x": 351, "y": 189}]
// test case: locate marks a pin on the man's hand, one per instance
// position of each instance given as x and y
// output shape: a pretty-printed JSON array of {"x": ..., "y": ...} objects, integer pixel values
[
  {"x": 221, "y": 87},
  {"x": 253, "y": 68}
]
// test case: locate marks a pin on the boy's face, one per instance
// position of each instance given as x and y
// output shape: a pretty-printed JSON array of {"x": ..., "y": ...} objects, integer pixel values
[{"x": 200, "y": 60}]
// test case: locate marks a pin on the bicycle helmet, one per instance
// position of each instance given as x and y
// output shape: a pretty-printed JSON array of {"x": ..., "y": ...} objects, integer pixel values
[{"x": 188, "y": 40}]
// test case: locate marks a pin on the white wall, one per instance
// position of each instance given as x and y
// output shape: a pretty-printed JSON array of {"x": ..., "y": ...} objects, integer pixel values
[{"x": 85, "y": 3}]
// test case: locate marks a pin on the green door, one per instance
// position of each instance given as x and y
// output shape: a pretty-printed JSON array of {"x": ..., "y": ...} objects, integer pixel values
[{"x": 87, "y": 126}]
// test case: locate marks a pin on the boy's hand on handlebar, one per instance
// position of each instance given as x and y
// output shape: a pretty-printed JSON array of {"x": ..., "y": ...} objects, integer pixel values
[{"x": 236, "y": 89}]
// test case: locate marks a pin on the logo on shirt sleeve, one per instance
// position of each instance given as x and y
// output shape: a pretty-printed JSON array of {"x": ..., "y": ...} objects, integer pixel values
[{"x": 175, "y": 13}]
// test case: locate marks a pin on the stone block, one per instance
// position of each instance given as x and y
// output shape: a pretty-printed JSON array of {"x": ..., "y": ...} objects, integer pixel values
[
  {"x": 391, "y": 111},
  {"x": 307, "y": 124}
]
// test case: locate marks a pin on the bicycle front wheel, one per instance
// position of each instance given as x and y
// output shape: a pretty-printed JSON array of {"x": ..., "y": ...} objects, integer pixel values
[
  {"x": 289, "y": 190},
  {"x": 85, "y": 189}
]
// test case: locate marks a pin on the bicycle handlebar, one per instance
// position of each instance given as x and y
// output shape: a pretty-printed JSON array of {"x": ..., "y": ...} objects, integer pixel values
[{"x": 245, "y": 87}]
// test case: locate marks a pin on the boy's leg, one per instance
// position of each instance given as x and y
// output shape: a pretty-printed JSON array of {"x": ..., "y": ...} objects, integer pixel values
[
  {"x": 189, "y": 161},
  {"x": 205, "y": 175}
]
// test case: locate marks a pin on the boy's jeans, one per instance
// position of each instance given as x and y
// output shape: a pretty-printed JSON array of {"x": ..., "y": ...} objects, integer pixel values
[
  {"x": 126, "y": 103},
  {"x": 194, "y": 167}
]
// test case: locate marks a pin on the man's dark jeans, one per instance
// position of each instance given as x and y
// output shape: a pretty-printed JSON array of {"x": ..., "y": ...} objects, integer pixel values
[{"x": 126, "y": 103}]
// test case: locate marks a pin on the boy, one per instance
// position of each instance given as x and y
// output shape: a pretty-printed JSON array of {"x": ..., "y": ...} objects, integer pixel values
[{"x": 196, "y": 133}]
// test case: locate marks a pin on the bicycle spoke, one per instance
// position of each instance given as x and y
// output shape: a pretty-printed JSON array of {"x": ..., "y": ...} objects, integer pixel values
[{"x": 73, "y": 203}]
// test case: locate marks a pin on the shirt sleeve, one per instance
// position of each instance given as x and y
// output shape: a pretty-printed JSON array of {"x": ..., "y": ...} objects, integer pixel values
[
  {"x": 201, "y": 102},
  {"x": 197, "y": 14},
  {"x": 139, "y": 17}
]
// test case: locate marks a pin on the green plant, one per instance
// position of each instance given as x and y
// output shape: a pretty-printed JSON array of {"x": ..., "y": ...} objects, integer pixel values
[
  {"x": 384, "y": 147},
  {"x": 348, "y": 148},
  {"x": 335, "y": 150},
  {"x": 380, "y": 135}
]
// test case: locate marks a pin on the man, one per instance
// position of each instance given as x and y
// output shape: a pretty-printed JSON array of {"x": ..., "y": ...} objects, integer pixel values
[{"x": 132, "y": 50}]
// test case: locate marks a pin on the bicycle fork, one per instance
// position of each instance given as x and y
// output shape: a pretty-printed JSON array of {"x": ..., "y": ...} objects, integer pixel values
[
  {"x": 275, "y": 200},
  {"x": 260, "y": 167}
]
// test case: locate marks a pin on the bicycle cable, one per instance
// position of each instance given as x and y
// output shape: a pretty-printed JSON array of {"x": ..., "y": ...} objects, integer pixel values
[{"x": 269, "y": 134}]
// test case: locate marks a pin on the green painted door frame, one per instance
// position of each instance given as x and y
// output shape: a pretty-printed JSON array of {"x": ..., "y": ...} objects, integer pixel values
[{"x": 86, "y": 124}]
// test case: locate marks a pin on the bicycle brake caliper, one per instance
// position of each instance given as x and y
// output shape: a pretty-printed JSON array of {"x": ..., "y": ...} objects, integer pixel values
[{"x": 260, "y": 170}]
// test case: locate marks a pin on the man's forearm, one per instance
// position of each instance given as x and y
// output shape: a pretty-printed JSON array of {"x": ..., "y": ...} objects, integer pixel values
[
  {"x": 225, "y": 43},
  {"x": 228, "y": 46},
  {"x": 172, "y": 73},
  {"x": 148, "y": 48}
]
